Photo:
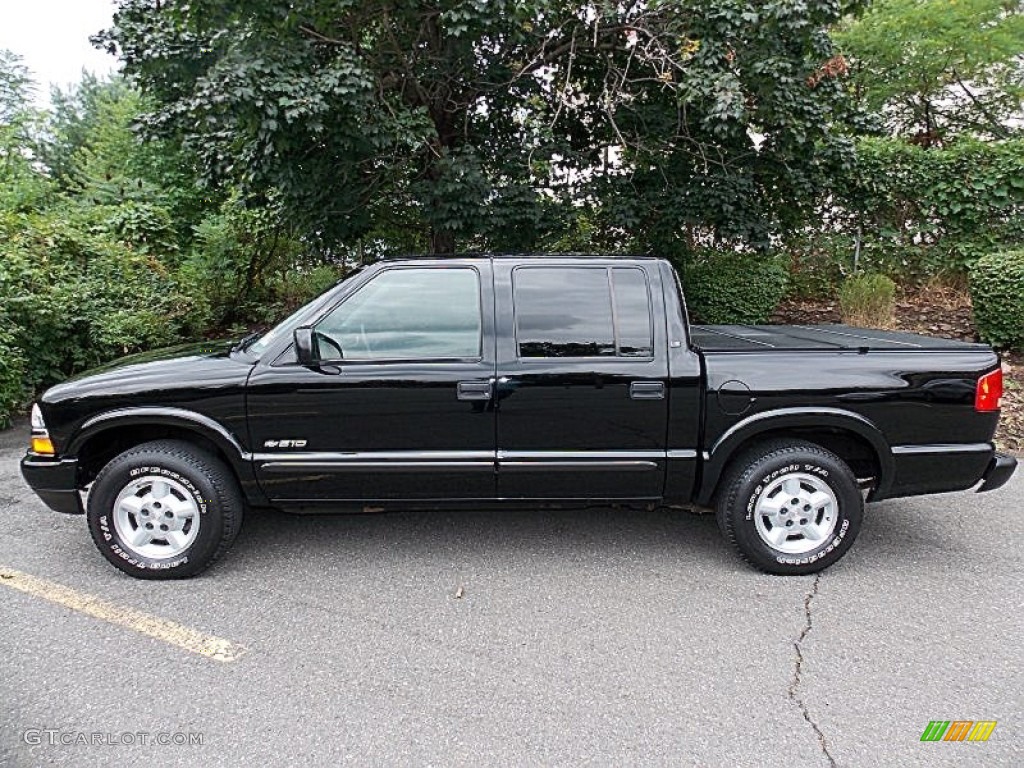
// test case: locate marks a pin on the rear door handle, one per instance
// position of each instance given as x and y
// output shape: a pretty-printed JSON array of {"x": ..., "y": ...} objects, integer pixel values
[
  {"x": 474, "y": 390},
  {"x": 647, "y": 390}
]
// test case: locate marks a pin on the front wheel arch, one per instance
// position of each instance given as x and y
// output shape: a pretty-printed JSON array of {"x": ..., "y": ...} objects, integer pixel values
[{"x": 97, "y": 447}]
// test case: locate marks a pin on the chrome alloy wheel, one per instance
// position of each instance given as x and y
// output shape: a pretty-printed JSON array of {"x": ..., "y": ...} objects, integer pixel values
[
  {"x": 156, "y": 517},
  {"x": 795, "y": 513}
]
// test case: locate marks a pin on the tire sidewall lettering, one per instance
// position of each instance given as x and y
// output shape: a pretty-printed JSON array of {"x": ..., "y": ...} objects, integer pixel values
[{"x": 834, "y": 541}]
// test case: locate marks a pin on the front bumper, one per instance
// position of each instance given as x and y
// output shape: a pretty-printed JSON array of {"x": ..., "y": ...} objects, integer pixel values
[
  {"x": 999, "y": 470},
  {"x": 55, "y": 481}
]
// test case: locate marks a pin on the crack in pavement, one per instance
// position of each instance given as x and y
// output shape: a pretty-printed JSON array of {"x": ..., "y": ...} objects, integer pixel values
[{"x": 794, "y": 685}]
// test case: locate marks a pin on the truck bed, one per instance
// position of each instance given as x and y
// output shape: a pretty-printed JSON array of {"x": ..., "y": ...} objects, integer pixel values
[{"x": 751, "y": 338}]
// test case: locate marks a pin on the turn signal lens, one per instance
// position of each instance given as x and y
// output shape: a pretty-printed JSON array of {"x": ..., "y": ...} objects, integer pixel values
[
  {"x": 989, "y": 391},
  {"x": 42, "y": 445}
]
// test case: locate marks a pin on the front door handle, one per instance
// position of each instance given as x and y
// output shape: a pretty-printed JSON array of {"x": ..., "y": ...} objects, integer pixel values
[
  {"x": 474, "y": 390},
  {"x": 647, "y": 390}
]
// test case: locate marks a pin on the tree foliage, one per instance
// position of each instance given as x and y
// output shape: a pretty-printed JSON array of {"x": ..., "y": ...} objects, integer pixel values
[
  {"x": 18, "y": 125},
  {"x": 254, "y": 150},
  {"x": 464, "y": 118},
  {"x": 934, "y": 67},
  {"x": 105, "y": 240},
  {"x": 15, "y": 88}
]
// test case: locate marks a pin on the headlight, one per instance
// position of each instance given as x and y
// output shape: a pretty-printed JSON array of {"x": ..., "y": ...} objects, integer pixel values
[
  {"x": 41, "y": 443},
  {"x": 37, "y": 419}
]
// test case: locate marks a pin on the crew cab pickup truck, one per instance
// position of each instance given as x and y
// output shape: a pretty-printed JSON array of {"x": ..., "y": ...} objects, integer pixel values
[{"x": 525, "y": 380}]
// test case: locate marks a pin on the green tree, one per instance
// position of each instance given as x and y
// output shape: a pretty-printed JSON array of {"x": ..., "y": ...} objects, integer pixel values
[
  {"x": 72, "y": 120},
  {"x": 15, "y": 87},
  {"x": 20, "y": 185},
  {"x": 932, "y": 67},
  {"x": 467, "y": 118},
  {"x": 96, "y": 155}
]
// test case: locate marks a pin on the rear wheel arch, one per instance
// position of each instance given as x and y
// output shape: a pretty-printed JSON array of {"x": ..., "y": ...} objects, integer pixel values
[{"x": 849, "y": 436}]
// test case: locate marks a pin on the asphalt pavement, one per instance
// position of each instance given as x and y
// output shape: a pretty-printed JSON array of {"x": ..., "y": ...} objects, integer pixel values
[{"x": 596, "y": 637}]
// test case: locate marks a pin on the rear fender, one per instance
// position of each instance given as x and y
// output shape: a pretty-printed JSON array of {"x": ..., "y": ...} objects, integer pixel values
[{"x": 743, "y": 432}]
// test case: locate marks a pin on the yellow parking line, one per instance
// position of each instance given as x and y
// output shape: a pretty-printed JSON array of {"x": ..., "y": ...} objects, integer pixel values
[{"x": 162, "y": 629}]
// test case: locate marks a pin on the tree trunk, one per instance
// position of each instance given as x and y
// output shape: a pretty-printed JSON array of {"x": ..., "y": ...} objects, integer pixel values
[{"x": 442, "y": 241}]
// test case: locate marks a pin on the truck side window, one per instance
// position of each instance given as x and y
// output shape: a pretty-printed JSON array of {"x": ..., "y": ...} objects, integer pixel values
[
  {"x": 634, "y": 332},
  {"x": 574, "y": 312},
  {"x": 408, "y": 314}
]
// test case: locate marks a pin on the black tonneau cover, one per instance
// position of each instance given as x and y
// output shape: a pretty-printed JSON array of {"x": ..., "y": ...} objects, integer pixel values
[{"x": 750, "y": 338}]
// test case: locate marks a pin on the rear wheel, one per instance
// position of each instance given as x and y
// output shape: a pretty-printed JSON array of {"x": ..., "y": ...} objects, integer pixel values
[
  {"x": 790, "y": 507},
  {"x": 164, "y": 510}
]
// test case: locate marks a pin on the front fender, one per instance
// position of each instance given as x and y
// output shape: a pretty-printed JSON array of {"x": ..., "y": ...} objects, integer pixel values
[{"x": 212, "y": 430}]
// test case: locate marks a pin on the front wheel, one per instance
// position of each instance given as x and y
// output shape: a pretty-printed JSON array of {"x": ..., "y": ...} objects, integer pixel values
[
  {"x": 790, "y": 508},
  {"x": 164, "y": 510}
]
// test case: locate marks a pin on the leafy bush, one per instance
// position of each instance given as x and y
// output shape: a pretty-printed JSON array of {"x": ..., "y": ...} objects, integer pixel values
[
  {"x": 913, "y": 213},
  {"x": 237, "y": 259},
  {"x": 301, "y": 284},
  {"x": 817, "y": 264},
  {"x": 922, "y": 211},
  {"x": 728, "y": 287},
  {"x": 868, "y": 301},
  {"x": 75, "y": 296},
  {"x": 997, "y": 294},
  {"x": 12, "y": 375}
]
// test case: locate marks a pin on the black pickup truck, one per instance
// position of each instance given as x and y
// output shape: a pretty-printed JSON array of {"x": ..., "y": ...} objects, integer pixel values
[{"x": 498, "y": 380}]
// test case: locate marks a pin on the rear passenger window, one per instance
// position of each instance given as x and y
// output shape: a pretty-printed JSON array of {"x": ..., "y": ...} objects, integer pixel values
[
  {"x": 634, "y": 335},
  {"x": 582, "y": 312}
]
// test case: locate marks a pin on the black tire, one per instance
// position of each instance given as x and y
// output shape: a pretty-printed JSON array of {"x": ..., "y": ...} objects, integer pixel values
[
  {"x": 757, "y": 474},
  {"x": 199, "y": 478}
]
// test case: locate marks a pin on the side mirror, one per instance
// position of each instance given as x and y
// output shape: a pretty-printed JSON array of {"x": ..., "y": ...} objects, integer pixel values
[{"x": 305, "y": 347}]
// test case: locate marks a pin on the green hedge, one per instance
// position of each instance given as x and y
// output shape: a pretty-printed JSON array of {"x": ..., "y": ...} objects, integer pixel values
[
  {"x": 923, "y": 211},
  {"x": 912, "y": 213},
  {"x": 997, "y": 294},
  {"x": 728, "y": 287}
]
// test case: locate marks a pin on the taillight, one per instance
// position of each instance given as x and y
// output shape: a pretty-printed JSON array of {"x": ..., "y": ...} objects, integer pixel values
[{"x": 989, "y": 391}]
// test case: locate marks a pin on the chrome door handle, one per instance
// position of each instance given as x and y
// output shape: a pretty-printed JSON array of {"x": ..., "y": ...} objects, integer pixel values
[
  {"x": 647, "y": 390},
  {"x": 474, "y": 390}
]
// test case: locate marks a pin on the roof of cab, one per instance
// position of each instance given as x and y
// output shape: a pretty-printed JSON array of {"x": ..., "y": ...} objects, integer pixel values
[{"x": 480, "y": 255}]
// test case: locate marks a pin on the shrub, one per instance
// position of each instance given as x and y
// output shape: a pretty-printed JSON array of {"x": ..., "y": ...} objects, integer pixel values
[
  {"x": 817, "y": 264},
  {"x": 304, "y": 283},
  {"x": 997, "y": 294},
  {"x": 868, "y": 300},
  {"x": 235, "y": 257},
  {"x": 12, "y": 376},
  {"x": 74, "y": 297},
  {"x": 729, "y": 287}
]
